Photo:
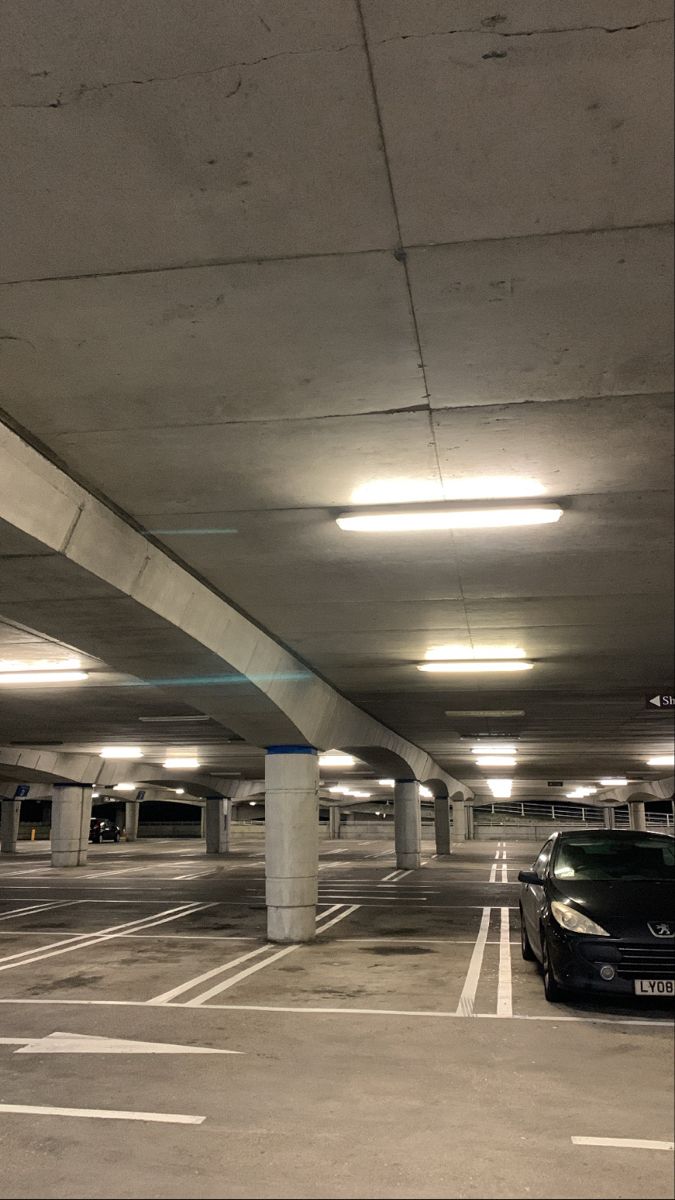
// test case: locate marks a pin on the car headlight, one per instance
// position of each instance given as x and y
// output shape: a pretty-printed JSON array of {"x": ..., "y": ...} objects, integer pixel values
[{"x": 575, "y": 921}]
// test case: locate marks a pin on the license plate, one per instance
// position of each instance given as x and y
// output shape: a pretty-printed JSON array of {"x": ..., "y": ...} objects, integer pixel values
[{"x": 655, "y": 987}]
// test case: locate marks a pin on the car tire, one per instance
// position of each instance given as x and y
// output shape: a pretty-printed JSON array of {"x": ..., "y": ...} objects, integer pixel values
[
  {"x": 525, "y": 947},
  {"x": 552, "y": 989}
]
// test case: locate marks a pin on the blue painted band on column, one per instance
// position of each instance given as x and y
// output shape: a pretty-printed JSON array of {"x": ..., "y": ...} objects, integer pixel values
[{"x": 291, "y": 750}]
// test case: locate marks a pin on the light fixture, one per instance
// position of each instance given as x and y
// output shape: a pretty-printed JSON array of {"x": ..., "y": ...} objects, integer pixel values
[
  {"x": 424, "y": 491},
  {"x": 620, "y": 781},
  {"x": 182, "y": 764},
  {"x": 426, "y": 792},
  {"x": 387, "y": 783},
  {"x": 127, "y": 752},
  {"x": 252, "y": 803},
  {"x": 496, "y": 760},
  {"x": 438, "y": 518},
  {"x": 473, "y": 667},
  {"x": 8, "y": 677},
  {"x": 340, "y": 791},
  {"x": 485, "y": 712},
  {"x": 500, "y": 788},
  {"x": 494, "y": 748},
  {"x": 472, "y": 652},
  {"x": 95, "y": 795},
  {"x": 179, "y": 791},
  {"x": 333, "y": 758},
  {"x": 124, "y": 787},
  {"x": 661, "y": 760},
  {"x": 41, "y": 664},
  {"x": 360, "y": 795},
  {"x": 580, "y": 792},
  {"x": 167, "y": 720}
]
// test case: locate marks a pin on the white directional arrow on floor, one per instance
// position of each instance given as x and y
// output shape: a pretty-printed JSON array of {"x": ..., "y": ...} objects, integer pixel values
[{"x": 82, "y": 1043}]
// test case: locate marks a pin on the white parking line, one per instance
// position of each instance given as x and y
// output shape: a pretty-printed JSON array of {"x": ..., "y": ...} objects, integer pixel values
[
  {"x": 623, "y": 1143},
  {"x": 493, "y": 873},
  {"x": 197, "y": 1001},
  {"x": 496, "y": 853},
  {"x": 465, "y": 1008},
  {"x": 505, "y": 877},
  {"x": 24, "y": 957},
  {"x": 35, "y": 908},
  {"x": 504, "y": 986},
  {"x": 104, "y": 1114}
]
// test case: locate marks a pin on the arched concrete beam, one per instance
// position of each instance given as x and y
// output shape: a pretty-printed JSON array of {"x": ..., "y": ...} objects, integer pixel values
[
  {"x": 654, "y": 789},
  {"x": 263, "y": 692}
]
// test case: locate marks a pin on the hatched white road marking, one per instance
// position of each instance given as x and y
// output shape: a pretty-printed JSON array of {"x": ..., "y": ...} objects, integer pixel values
[
  {"x": 505, "y": 877},
  {"x": 493, "y": 873},
  {"x": 465, "y": 1008},
  {"x": 104, "y": 1114},
  {"x": 623, "y": 1143},
  {"x": 35, "y": 908}
]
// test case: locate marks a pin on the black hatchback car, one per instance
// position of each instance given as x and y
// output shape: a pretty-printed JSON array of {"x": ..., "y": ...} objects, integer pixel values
[
  {"x": 103, "y": 830},
  {"x": 597, "y": 910}
]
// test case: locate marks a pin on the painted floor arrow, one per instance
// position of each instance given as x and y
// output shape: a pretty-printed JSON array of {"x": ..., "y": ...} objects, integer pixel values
[{"x": 82, "y": 1043}]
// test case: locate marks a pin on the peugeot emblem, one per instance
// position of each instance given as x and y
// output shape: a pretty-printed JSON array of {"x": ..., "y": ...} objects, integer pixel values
[{"x": 662, "y": 928}]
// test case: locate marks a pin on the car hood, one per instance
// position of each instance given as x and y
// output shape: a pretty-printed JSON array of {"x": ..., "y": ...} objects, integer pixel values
[{"x": 623, "y": 908}]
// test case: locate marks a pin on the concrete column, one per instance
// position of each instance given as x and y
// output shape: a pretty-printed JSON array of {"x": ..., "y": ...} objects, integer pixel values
[
  {"x": 131, "y": 814},
  {"x": 638, "y": 819},
  {"x": 458, "y": 822},
  {"x": 609, "y": 817},
  {"x": 334, "y": 821},
  {"x": 291, "y": 842},
  {"x": 9, "y": 825},
  {"x": 442, "y": 824},
  {"x": 407, "y": 824},
  {"x": 468, "y": 820},
  {"x": 71, "y": 814},
  {"x": 217, "y": 823}
]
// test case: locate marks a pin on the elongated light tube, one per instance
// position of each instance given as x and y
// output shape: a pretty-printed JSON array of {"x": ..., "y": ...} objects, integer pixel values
[
  {"x": 473, "y": 667},
  {"x": 440, "y": 518}
]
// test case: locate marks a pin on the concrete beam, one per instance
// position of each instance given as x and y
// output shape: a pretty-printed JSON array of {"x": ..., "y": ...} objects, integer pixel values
[{"x": 273, "y": 698}]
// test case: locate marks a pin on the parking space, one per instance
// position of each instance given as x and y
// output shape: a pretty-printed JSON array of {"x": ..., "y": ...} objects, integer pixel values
[{"x": 409, "y": 1043}]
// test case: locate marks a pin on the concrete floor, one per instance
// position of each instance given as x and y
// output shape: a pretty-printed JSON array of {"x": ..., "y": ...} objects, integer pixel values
[{"x": 387, "y": 1059}]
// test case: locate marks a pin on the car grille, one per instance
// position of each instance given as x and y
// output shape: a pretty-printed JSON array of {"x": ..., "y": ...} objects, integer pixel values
[{"x": 639, "y": 961}]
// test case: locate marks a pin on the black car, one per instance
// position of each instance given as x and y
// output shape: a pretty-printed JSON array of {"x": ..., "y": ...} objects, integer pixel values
[
  {"x": 103, "y": 830},
  {"x": 597, "y": 910}
]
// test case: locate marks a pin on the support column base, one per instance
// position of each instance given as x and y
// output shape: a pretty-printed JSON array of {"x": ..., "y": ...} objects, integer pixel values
[
  {"x": 407, "y": 861},
  {"x": 291, "y": 924},
  {"x": 68, "y": 858}
]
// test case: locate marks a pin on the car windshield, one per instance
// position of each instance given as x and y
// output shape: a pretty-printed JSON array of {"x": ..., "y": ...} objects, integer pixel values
[{"x": 627, "y": 858}]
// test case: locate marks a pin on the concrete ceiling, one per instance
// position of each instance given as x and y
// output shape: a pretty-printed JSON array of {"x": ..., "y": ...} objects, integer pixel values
[{"x": 265, "y": 255}]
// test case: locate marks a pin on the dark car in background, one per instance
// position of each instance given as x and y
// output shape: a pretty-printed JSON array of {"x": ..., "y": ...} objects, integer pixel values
[
  {"x": 597, "y": 910},
  {"x": 103, "y": 830}
]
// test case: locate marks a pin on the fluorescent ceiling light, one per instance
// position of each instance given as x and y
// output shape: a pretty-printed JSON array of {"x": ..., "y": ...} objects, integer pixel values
[
  {"x": 340, "y": 791},
  {"x": 42, "y": 676},
  {"x": 474, "y": 652},
  {"x": 95, "y": 795},
  {"x": 425, "y": 491},
  {"x": 386, "y": 782},
  {"x": 183, "y": 764},
  {"x": 165, "y": 720},
  {"x": 473, "y": 667},
  {"x": 124, "y": 787},
  {"x": 361, "y": 795},
  {"x": 179, "y": 791},
  {"x": 619, "y": 781},
  {"x": 411, "y": 520},
  {"x": 426, "y": 792},
  {"x": 500, "y": 788},
  {"x": 496, "y": 760},
  {"x": 333, "y": 758},
  {"x": 44, "y": 664},
  {"x": 485, "y": 712},
  {"x": 494, "y": 748},
  {"x": 121, "y": 752},
  {"x": 661, "y": 760}
]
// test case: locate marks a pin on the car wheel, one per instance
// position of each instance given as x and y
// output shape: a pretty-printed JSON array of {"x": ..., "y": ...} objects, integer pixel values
[
  {"x": 552, "y": 989},
  {"x": 525, "y": 947}
]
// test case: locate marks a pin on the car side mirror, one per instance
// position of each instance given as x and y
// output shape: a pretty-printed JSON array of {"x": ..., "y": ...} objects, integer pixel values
[{"x": 528, "y": 877}]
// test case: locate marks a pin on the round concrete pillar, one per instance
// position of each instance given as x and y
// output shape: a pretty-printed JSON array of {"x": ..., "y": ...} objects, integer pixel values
[
  {"x": 131, "y": 814},
  {"x": 407, "y": 824},
  {"x": 9, "y": 825},
  {"x": 291, "y": 842},
  {"x": 71, "y": 814},
  {"x": 442, "y": 824},
  {"x": 458, "y": 822},
  {"x": 638, "y": 817},
  {"x": 217, "y": 821}
]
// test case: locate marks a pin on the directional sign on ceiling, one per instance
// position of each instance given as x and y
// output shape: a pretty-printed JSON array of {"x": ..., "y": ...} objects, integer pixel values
[{"x": 663, "y": 700}]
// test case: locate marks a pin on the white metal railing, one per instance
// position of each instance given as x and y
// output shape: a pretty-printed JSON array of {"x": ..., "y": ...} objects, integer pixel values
[{"x": 543, "y": 811}]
